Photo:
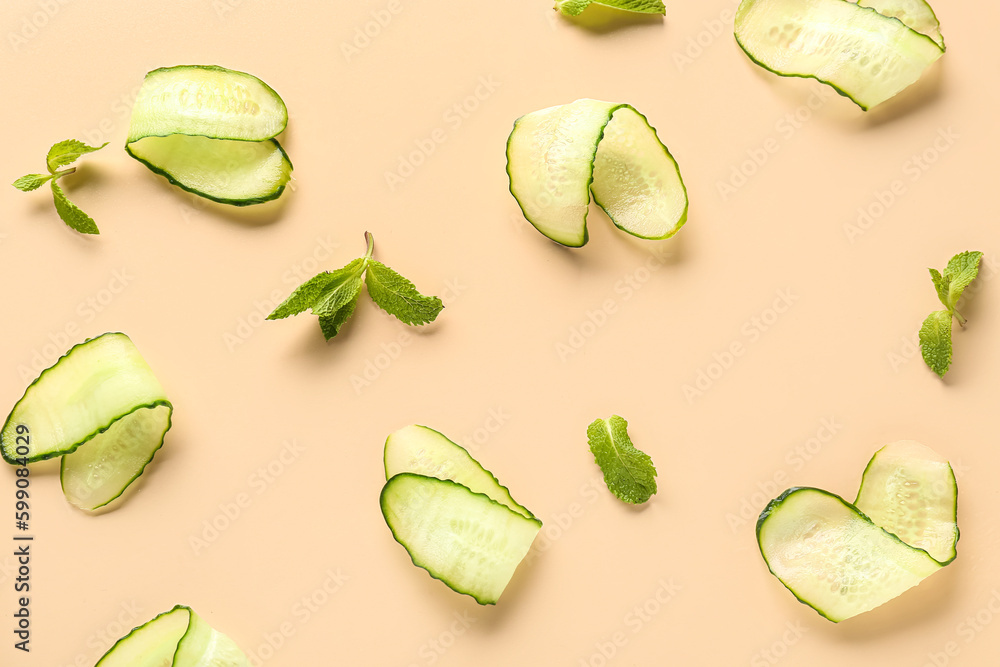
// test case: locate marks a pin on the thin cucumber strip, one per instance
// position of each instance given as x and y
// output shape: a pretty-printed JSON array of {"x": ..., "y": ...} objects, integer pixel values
[
  {"x": 177, "y": 638},
  {"x": 915, "y": 14},
  {"x": 865, "y": 55},
  {"x": 468, "y": 541},
  {"x": 211, "y": 131},
  {"x": 239, "y": 173},
  {"x": 206, "y": 100},
  {"x": 424, "y": 451},
  {"x": 910, "y": 490},
  {"x": 832, "y": 557},
  {"x": 556, "y": 156},
  {"x": 91, "y": 387},
  {"x": 94, "y": 475}
]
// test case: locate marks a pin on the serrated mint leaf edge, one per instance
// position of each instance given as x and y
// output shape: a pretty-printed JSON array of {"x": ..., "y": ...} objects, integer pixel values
[
  {"x": 572, "y": 7},
  {"x": 71, "y": 214},
  {"x": 638, "y": 6},
  {"x": 30, "y": 182},
  {"x": 961, "y": 270},
  {"x": 935, "y": 341},
  {"x": 423, "y": 309},
  {"x": 68, "y": 151}
]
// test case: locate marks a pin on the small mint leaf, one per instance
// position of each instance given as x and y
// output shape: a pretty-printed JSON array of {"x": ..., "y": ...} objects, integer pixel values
[
  {"x": 935, "y": 341},
  {"x": 304, "y": 297},
  {"x": 962, "y": 269},
  {"x": 572, "y": 7},
  {"x": 330, "y": 324},
  {"x": 30, "y": 182},
  {"x": 941, "y": 285},
  {"x": 66, "y": 152},
  {"x": 399, "y": 297},
  {"x": 628, "y": 472},
  {"x": 71, "y": 214}
]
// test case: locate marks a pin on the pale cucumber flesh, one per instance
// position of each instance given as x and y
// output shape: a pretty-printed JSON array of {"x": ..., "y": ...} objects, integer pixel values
[
  {"x": 915, "y": 14},
  {"x": 468, "y": 541},
  {"x": 910, "y": 491},
  {"x": 230, "y": 172},
  {"x": 556, "y": 156},
  {"x": 208, "y": 101},
  {"x": 832, "y": 557},
  {"x": 863, "y": 54},
  {"x": 83, "y": 394},
  {"x": 424, "y": 451}
]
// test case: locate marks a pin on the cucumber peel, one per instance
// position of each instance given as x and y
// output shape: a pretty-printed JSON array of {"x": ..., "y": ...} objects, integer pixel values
[
  {"x": 557, "y": 156},
  {"x": 452, "y": 516},
  {"x": 210, "y": 131},
  {"x": 179, "y": 638},
  {"x": 844, "y": 559},
  {"x": 100, "y": 408},
  {"x": 867, "y": 52}
]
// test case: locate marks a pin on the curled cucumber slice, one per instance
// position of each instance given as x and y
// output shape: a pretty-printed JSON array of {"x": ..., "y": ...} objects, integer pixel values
[
  {"x": 179, "y": 638},
  {"x": 867, "y": 53},
  {"x": 557, "y": 156},
  {"x": 99, "y": 407},
  {"x": 452, "y": 516},
  {"x": 210, "y": 131},
  {"x": 844, "y": 559}
]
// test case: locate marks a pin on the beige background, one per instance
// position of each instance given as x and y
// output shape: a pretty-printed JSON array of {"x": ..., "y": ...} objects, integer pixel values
[{"x": 834, "y": 376}]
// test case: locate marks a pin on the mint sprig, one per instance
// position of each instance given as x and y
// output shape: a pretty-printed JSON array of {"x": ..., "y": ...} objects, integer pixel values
[
  {"x": 935, "y": 333},
  {"x": 576, "y": 7},
  {"x": 628, "y": 472},
  {"x": 333, "y": 295},
  {"x": 63, "y": 154}
]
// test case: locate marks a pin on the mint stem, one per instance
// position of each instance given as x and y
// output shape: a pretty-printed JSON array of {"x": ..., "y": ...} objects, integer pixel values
[
  {"x": 961, "y": 320},
  {"x": 59, "y": 174},
  {"x": 371, "y": 245}
]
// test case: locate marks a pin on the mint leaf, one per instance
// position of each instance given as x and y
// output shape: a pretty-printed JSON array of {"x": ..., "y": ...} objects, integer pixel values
[
  {"x": 572, "y": 7},
  {"x": 962, "y": 269},
  {"x": 628, "y": 472},
  {"x": 935, "y": 341},
  {"x": 330, "y": 324},
  {"x": 642, "y": 6},
  {"x": 333, "y": 296},
  {"x": 941, "y": 285},
  {"x": 71, "y": 214},
  {"x": 30, "y": 182},
  {"x": 399, "y": 297},
  {"x": 66, "y": 152}
]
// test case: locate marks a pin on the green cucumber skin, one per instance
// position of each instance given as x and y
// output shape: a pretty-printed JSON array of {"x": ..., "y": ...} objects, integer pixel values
[
  {"x": 221, "y": 70},
  {"x": 51, "y": 455},
  {"x": 170, "y": 420},
  {"x": 797, "y": 75},
  {"x": 383, "y": 507},
  {"x": 232, "y": 202},
  {"x": 775, "y": 505},
  {"x": 385, "y": 464},
  {"x": 958, "y": 532}
]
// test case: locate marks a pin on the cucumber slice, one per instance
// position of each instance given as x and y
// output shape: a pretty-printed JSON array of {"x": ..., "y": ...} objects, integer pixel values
[
  {"x": 206, "y": 100},
  {"x": 470, "y": 542},
  {"x": 832, "y": 557},
  {"x": 101, "y": 394},
  {"x": 240, "y": 173},
  {"x": 424, "y": 451},
  {"x": 556, "y": 156},
  {"x": 863, "y": 54},
  {"x": 910, "y": 490},
  {"x": 915, "y": 14},
  {"x": 210, "y": 131},
  {"x": 178, "y": 637}
]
